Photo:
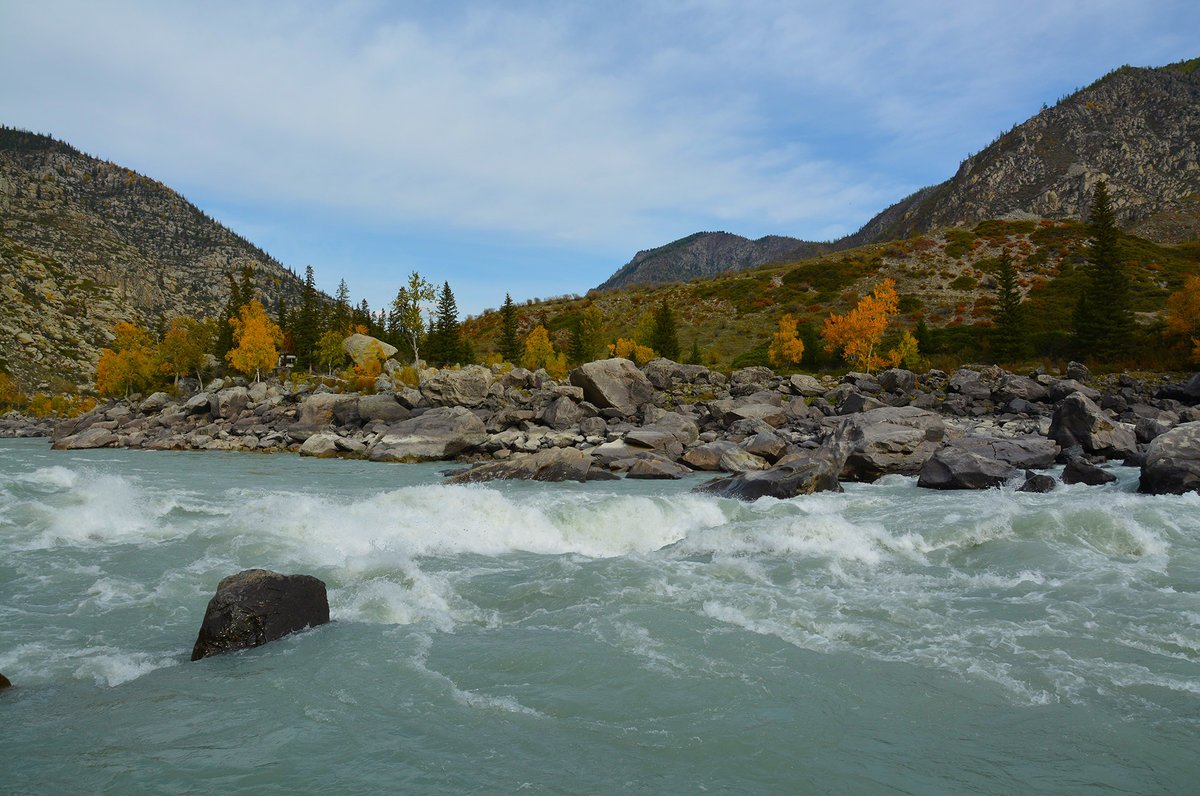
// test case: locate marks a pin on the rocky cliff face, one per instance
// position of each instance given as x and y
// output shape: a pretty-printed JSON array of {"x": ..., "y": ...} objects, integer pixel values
[
  {"x": 1138, "y": 129},
  {"x": 705, "y": 254},
  {"x": 85, "y": 243}
]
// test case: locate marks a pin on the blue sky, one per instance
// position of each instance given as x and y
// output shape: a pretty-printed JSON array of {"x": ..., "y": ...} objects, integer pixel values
[{"x": 535, "y": 147}]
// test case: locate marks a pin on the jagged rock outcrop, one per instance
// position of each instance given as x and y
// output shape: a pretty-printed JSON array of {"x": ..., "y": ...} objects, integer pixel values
[{"x": 256, "y": 606}]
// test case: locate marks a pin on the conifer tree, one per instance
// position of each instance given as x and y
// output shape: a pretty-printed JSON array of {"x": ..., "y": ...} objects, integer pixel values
[
  {"x": 663, "y": 337},
  {"x": 445, "y": 343},
  {"x": 224, "y": 340},
  {"x": 510, "y": 345},
  {"x": 307, "y": 321},
  {"x": 1010, "y": 332},
  {"x": 1103, "y": 318},
  {"x": 342, "y": 311},
  {"x": 408, "y": 307}
]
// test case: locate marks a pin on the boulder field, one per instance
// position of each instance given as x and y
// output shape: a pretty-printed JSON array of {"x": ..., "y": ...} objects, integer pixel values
[{"x": 772, "y": 435}]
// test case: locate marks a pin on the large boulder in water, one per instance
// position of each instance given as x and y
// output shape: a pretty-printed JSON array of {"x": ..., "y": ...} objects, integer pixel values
[
  {"x": 4, "y": 683},
  {"x": 1079, "y": 421},
  {"x": 613, "y": 384},
  {"x": 436, "y": 434},
  {"x": 551, "y": 464},
  {"x": 891, "y": 440},
  {"x": 802, "y": 474},
  {"x": 1172, "y": 464},
  {"x": 256, "y": 606},
  {"x": 959, "y": 468}
]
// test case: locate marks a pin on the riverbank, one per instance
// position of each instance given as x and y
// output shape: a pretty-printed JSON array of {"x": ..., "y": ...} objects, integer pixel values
[{"x": 668, "y": 420}]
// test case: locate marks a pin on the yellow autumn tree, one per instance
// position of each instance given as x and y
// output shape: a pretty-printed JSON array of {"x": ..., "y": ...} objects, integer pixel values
[
  {"x": 1183, "y": 313},
  {"x": 256, "y": 340},
  {"x": 185, "y": 347},
  {"x": 858, "y": 333},
  {"x": 540, "y": 353},
  {"x": 129, "y": 365},
  {"x": 786, "y": 348},
  {"x": 631, "y": 350}
]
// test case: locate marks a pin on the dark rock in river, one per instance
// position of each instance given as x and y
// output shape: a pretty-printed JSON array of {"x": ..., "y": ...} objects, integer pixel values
[
  {"x": 959, "y": 468},
  {"x": 256, "y": 606},
  {"x": 1079, "y": 471},
  {"x": 551, "y": 464},
  {"x": 1172, "y": 464},
  {"x": 1078, "y": 421},
  {"x": 794, "y": 475},
  {"x": 1040, "y": 483},
  {"x": 4, "y": 682}
]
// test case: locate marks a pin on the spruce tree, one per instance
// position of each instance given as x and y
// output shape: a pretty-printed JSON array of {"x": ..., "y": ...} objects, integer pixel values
[
  {"x": 510, "y": 345},
  {"x": 342, "y": 311},
  {"x": 230, "y": 311},
  {"x": 445, "y": 341},
  {"x": 1103, "y": 318},
  {"x": 1010, "y": 332},
  {"x": 308, "y": 321},
  {"x": 663, "y": 338}
]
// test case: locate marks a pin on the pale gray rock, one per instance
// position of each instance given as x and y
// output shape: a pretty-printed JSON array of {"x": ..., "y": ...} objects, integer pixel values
[
  {"x": 1028, "y": 453},
  {"x": 613, "y": 384},
  {"x": 561, "y": 413},
  {"x": 1172, "y": 464},
  {"x": 440, "y": 433},
  {"x": 465, "y": 387},
  {"x": 381, "y": 408},
  {"x": 804, "y": 385},
  {"x": 363, "y": 348}
]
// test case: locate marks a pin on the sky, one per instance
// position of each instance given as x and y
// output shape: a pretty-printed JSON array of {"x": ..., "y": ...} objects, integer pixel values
[{"x": 533, "y": 147}]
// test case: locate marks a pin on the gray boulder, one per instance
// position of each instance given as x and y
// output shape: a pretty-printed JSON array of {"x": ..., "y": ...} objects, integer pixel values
[
  {"x": 959, "y": 468},
  {"x": 550, "y": 464},
  {"x": 657, "y": 469},
  {"x": 1028, "y": 453},
  {"x": 1078, "y": 421},
  {"x": 439, "y": 433},
  {"x": 561, "y": 413},
  {"x": 667, "y": 375},
  {"x": 898, "y": 380},
  {"x": 1039, "y": 483},
  {"x": 795, "y": 475},
  {"x": 613, "y": 384},
  {"x": 804, "y": 385},
  {"x": 381, "y": 408},
  {"x": 1019, "y": 387},
  {"x": 891, "y": 440},
  {"x": 466, "y": 387},
  {"x": 1172, "y": 464},
  {"x": 256, "y": 606},
  {"x": 318, "y": 411},
  {"x": 970, "y": 383}
]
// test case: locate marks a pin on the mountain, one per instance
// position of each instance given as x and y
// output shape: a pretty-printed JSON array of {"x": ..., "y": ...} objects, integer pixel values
[
  {"x": 85, "y": 243},
  {"x": 706, "y": 254},
  {"x": 1136, "y": 128}
]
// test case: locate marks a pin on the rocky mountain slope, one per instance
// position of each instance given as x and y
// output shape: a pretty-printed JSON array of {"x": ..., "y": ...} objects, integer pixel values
[
  {"x": 85, "y": 243},
  {"x": 1138, "y": 129},
  {"x": 705, "y": 254}
]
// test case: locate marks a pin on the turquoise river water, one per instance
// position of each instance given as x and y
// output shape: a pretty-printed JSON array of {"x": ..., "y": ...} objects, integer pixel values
[{"x": 604, "y": 638}]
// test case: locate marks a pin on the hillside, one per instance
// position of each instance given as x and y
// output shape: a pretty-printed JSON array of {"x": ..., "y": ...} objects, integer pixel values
[
  {"x": 85, "y": 243},
  {"x": 705, "y": 254},
  {"x": 944, "y": 278},
  {"x": 1139, "y": 129}
]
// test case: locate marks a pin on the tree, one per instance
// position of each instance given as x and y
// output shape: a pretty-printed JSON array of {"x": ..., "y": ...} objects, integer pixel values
[
  {"x": 786, "y": 348},
  {"x": 330, "y": 352},
  {"x": 256, "y": 341},
  {"x": 129, "y": 365},
  {"x": 233, "y": 304},
  {"x": 1103, "y": 318},
  {"x": 663, "y": 337},
  {"x": 539, "y": 353},
  {"x": 587, "y": 340},
  {"x": 408, "y": 306},
  {"x": 342, "y": 311},
  {"x": 1183, "y": 313},
  {"x": 626, "y": 348},
  {"x": 858, "y": 333},
  {"x": 510, "y": 345},
  {"x": 185, "y": 347},
  {"x": 308, "y": 321},
  {"x": 1010, "y": 332},
  {"x": 445, "y": 340}
]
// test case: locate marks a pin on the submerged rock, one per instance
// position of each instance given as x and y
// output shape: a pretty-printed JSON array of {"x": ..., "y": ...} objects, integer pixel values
[
  {"x": 256, "y": 606},
  {"x": 1039, "y": 483},
  {"x": 1078, "y": 471},
  {"x": 4, "y": 682}
]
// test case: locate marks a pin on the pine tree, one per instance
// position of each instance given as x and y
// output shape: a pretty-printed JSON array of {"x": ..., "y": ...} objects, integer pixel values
[
  {"x": 308, "y": 321},
  {"x": 341, "y": 319},
  {"x": 694, "y": 357},
  {"x": 1010, "y": 332},
  {"x": 233, "y": 304},
  {"x": 1103, "y": 318},
  {"x": 663, "y": 337},
  {"x": 445, "y": 342},
  {"x": 510, "y": 345}
]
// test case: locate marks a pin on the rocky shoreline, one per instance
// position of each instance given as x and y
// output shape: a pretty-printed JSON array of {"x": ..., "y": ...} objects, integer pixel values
[{"x": 771, "y": 435}]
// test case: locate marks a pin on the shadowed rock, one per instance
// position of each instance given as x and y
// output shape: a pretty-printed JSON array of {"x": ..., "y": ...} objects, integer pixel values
[
  {"x": 794, "y": 475},
  {"x": 1172, "y": 464},
  {"x": 959, "y": 468},
  {"x": 1078, "y": 471},
  {"x": 1078, "y": 421},
  {"x": 256, "y": 606},
  {"x": 1040, "y": 483},
  {"x": 551, "y": 464}
]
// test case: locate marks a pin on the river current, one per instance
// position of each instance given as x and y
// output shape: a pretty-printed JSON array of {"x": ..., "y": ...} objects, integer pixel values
[{"x": 612, "y": 637}]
